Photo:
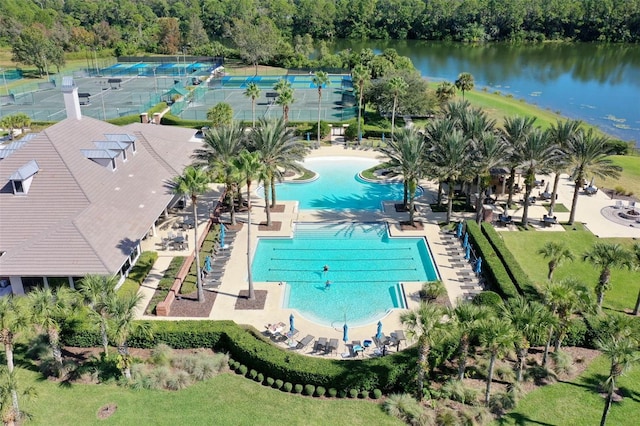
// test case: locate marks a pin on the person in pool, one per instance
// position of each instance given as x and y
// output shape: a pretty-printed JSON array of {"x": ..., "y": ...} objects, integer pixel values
[
  {"x": 325, "y": 270},
  {"x": 327, "y": 285}
]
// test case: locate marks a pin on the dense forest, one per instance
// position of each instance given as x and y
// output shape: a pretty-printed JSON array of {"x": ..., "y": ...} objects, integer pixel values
[{"x": 286, "y": 32}]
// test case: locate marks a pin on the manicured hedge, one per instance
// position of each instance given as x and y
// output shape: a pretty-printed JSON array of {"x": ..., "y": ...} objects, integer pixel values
[
  {"x": 142, "y": 267},
  {"x": 390, "y": 373},
  {"x": 494, "y": 270},
  {"x": 165, "y": 283},
  {"x": 518, "y": 276},
  {"x": 172, "y": 120}
]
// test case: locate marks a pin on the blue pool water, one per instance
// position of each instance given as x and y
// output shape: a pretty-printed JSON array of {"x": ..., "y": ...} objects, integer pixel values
[
  {"x": 339, "y": 187},
  {"x": 365, "y": 268}
]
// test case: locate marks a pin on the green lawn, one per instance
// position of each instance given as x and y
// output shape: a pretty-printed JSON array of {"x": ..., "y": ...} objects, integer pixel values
[
  {"x": 224, "y": 400},
  {"x": 630, "y": 178},
  {"x": 524, "y": 246},
  {"x": 577, "y": 402}
]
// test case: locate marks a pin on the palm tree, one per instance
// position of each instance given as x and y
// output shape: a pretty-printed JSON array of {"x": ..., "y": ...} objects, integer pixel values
[
  {"x": 529, "y": 321},
  {"x": 588, "y": 157},
  {"x": 320, "y": 79},
  {"x": 406, "y": 153},
  {"x": 285, "y": 99},
  {"x": 221, "y": 146},
  {"x": 516, "y": 131},
  {"x": 464, "y": 82},
  {"x": 253, "y": 92},
  {"x": 249, "y": 165},
  {"x": 97, "y": 291},
  {"x": 536, "y": 153},
  {"x": 466, "y": 317},
  {"x": 636, "y": 251},
  {"x": 497, "y": 336},
  {"x": 449, "y": 157},
  {"x": 397, "y": 86},
  {"x": 193, "y": 182},
  {"x": 282, "y": 85},
  {"x": 436, "y": 132},
  {"x": 605, "y": 257},
  {"x": 46, "y": 308},
  {"x": 445, "y": 91},
  {"x": 425, "y": 323},
  {"x": 557, "y": 253},
  {"x": 360, "y": 75},
  {"x": 9, "y": 389},
  {"x": 623, "y": 353},
  {"x": 490, "y": 151},
  {"x": 122, "y": 310},
  {"x": 13, "y": 320},
  {"x": 561, "y": 133}
]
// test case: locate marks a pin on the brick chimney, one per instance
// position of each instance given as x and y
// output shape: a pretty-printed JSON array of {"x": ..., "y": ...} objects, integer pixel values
[{"x": 71, "y": 99}]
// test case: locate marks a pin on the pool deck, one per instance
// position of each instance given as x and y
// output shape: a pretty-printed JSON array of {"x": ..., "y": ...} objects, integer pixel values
[{"x": 455, "y": 273}]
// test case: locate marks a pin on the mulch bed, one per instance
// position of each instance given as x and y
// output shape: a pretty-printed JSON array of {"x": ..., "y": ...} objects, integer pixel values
[
  {"x": 400, "y": 208},
  {"x": 106, "y": 411},
  {"x": 188, "y": 305},
  {"x": 417, "y": 226},
  {"x": 278, "y": 208},
  {"x": 275, "y": 226},
  {"x": 243, "y": 303}
]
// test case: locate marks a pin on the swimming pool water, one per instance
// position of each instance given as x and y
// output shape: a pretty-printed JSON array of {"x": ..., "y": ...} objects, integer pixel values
[
  {"x": 338, "y": 186},
  {"x": 365, "y": 268}
]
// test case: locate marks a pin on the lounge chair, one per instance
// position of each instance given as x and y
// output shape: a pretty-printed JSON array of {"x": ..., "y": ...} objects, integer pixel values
[
  {"x": 332, "y": 346},
  {"x": 321, "y": 345},
  {"x": 305, "y": 341},
  {"x": 356, "y": 347},
  {"x": 618, "y": 204}
]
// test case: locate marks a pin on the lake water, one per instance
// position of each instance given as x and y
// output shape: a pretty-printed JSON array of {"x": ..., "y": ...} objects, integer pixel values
[{"x": 597, "y": 83}]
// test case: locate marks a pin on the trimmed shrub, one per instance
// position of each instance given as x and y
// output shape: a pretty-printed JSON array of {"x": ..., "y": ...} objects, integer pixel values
[
  {"x": 253, "y": 374},
  {"x": 309, "y": 390},
  {"x": 287, "y": 387},
  {"x": 243, "y": 370},
  {"x": 236, "y": 365},
  {"x": 487, "y": 298},
  {"x": 515, "y": 271},
  {"x": 320, "y": 391},
  {"x": 363, "y": 394},
  {"x": 377, "y": 394},
  {"x": 332, "y": 392},
  {"x": 353, "y": 393},
  {"x": 260, "y": 378},
  {"x": 270, "y": 382},
  {"x": 324, "y": 130},
  {"x": 278, "y": 384},
  {"x": 298, "y": 388},
  {"x": 577, "y": 333},
  {"x": 342, "y": 393}
]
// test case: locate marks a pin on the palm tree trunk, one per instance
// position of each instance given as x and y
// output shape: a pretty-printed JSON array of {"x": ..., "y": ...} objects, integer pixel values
[
  {"x": 449, "y": 201},
  {"x": 479, "y": 204},
  {"x": 360, "y": 115},
  {"x": 123, "y": 350},
  {"x": 525, "y": 211},
  {"x": 521, "y": 354},
  {"x": 608, "y": 401},
  {"x": 252, "y": 294},
  {"x": 411, "y": 204},
  {"x": 272, "y": 184},
  {"x": 492, "y": 363},
  {"x": 552, "y": 267},
  {"x": 319, "y": 104},
  {"x": 600, "y": 296},
  {"x": 103, "y": 334},
  {"x": 54, "y": 341},
  {"x": 8, "y": 350},
  {"x": 393, "y": 116},
  {"x": 267, "y": 205},
  {"x": 512, "y": 182},
  {"x": 423, "y": 366},
  {"x": 439, "y": 192},
  {"x": 194, "y": 201},
  {"x": 232, "y": 209},
  {"x": 554, "y": 194},
  {"x": 547, "y": 345},
  {"x": 253, "y": 111},
  {"x": 406, "y": 194},
  {"x": 574, "y": 202},
  {"x": 16, "y": 407},
  {"x": 462, "y": 356},
  {"x": 637, "y": 308}
]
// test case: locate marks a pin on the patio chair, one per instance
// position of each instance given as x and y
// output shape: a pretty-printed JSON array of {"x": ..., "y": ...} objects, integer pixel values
[
  {"x": 332, "y": 346},
  {"x": 632, "y": 205},
  {"x": 305, "y": 341},
  {"x": 321, "y": 345},
  {"x": 356, "y": 347},
  {"x": 618, "y": 204}
]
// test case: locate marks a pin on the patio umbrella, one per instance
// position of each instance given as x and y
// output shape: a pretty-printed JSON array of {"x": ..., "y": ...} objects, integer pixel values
[
  {"x": 467, "y": 254},
  {"x": 379, "y": 331},
  {"x": 459, "y": 230},
  {"x": 593, "y": 179},
  {"x": 546, "y": 188},
  {"x": 383, "y": 137},
  {"x": 222, "y": 235},
  {"x": 345, "y": 333},
  {"x": 465, "y": 241},
  {"x": 291, "y": 327},
  {"x": 207, "y": 263},
  {"x": 478, "y": 268}
]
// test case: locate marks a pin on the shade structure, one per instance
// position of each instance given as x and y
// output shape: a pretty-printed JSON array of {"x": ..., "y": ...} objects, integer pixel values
[
  {"x": 467, "y": 253},
  {"x": 222, "y": 235},
  {"x": 379, "y": 331},
  {"x": 478, "y": 267},
  {"x": 345, "y": 333},
  {"x": 465, "y": 241},
  {"x": 291, "y": 323},
  {"x": 207, "y": 263},
  {"x": 459, "y": 230}
]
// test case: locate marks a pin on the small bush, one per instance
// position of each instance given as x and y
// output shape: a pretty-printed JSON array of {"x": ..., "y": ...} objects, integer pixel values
[
  {"x": 260, "y": 378},
  {"x": 298, "y": 388},
  {"x": 324, "y": 130},
  {"x": 353, "y": 393},
  {"x": 180, "y": 380},
  {"x": 287, "y": 387},
  {"x": 501, "y": 402},
  {"x": 404, "y": 407},
  {"x": 363, "y": 394},
  {"x": 431, "y": 290},
  {"x": 487, "y": 298},
  {"x": 243, "y": 370},
  {"x": 161, "y": 354},
  {"x": 278, "y": 384},
  {"x": 253, "y": 374},
  {"x": 377, "y": 394},
  {"x": 457, "y": 391},
  {"x": 270, "y": 382},
  {"x": 309, "y": 389},
  {"x": 342, "y": 393},
  {"x": 562, "y": 362},
  {"x": 236, "y": 365},
  {"x": 320, "y": 391},
  {"x": 332, "y": 392}
]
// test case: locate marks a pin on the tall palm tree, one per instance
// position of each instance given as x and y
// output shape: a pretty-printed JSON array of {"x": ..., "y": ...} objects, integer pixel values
[
  {"x": 320, "y": 79},
  {"x": 536, "y": 154},
  {"x": 588, "y": 157},
  {"x": 489, "y": 151},
  {"x": 436, "y": 132},
  {"x": 9, "y": 390},
  {"x": 561, "y": 133},
  {"x": 516, "y": 131},
  {"x": 282, "y": 85},
  {"x": 406, "y": 153},
  {"x": 398, "y": 87},
  {"x": 467, "y": 317},
  {"x": 557, "y": 253},
  {"x": 464, "y": 82},
  {"x": 123, "y": 324},
  {"x": 360, "y": 75},
  {"x": 97, "y": 291},
  {"x": 221, "y": 146},
  {"x": 13, "y": 320},
  {"x": 285, "y": 99},
  {"x": 46, "y": 308},
  {"x": 249, "y": 165},
  {"x": 193, "y": 182},
  {"x": 636, "y": 251},
  {"x": 607, "y": 256},
  {"x": 529, "y": 321},
  {"x": 450, "y": 157},
  {"x": 497, "y": 336},
  {"x": 623, "y": 353},
  {"x": 425, "y": 323},
  {"x": 253, "y": 92}
]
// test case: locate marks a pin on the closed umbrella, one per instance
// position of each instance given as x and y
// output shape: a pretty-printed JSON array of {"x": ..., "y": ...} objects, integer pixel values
[
  {"x": 465, "y": 242},
  {"x": 546, "y": 188},
  {"x": 592, "y": 182},
  {"x": 222, "y": 235},
  {"x": 291, "y": 321},
  {"x": 467, "y": 254},
  {"x": 459, "y": 230},
  {"x": 345, "y": 333},
  {"x": 379, "y": 334},
  {"x": 207, "y": 263},
  {"x": 383, "y": 137},
  {"x": 478, "y": 268}
]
